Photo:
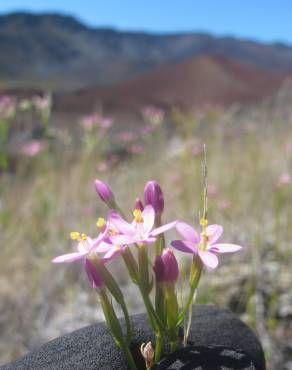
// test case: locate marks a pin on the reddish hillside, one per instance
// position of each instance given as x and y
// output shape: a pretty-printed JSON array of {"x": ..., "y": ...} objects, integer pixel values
[{"x": 196, "y": 81}]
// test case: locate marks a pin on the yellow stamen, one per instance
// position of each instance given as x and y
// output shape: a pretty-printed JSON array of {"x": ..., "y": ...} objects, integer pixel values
[
  {"x": 203, "y": 222},
  {"x": 83, "y": 237},
  {"x": 74, "y": 235},
  {"x": 100, "y": 222},
  {"x": 138, "y": 216}
]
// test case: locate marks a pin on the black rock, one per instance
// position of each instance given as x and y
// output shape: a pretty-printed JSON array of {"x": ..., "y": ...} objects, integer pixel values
[
  {"x": 92, "y": 347},
  {"x": 206, "y": 358}
]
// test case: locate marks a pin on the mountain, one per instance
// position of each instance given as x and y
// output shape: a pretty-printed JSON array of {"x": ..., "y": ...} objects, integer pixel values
[
  {"x": 204, "y": 79},
  {"x": 59, "y": 52}
]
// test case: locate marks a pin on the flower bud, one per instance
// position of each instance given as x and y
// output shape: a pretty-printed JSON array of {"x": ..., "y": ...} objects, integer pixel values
[
  {"x": 158, "y": 268},
  {"x": 166, "y": 267},
  {"x": 147, "y": 352},
  {"x": 139, "y": 204},
  {"x": 104, "y": 192},
  {"x": 153, "y": 195},
  {"x": 93, "y": 275}
]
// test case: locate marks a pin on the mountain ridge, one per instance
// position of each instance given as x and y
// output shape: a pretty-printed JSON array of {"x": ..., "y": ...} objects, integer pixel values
[{"x": 61, "y": 53}]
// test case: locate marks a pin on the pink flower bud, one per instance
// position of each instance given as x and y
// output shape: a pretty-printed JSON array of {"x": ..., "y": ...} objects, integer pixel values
[
  {"x": 139, "y": 204},
  {"x": 158, "y": 268},
  {"x": 166, "y": 267},
  {"x": 104, "y": 192},
  {"x": 93, "y": 275},
  {"x": 153, "y": 195}
]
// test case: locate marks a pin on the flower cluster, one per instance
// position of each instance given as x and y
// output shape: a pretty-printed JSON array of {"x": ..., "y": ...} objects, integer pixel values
[{"x": 132, "y": 241}]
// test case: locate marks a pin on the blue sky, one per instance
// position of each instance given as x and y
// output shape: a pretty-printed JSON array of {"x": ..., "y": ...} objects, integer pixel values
[{"x": 264, "y": 20}]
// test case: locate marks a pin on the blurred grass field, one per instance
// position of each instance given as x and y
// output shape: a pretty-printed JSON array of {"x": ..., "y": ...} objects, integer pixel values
[{"x": 44, "y": 197}]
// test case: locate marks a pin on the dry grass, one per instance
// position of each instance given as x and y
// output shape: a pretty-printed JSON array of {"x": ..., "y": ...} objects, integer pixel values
[{"x": 50, "y": 195}]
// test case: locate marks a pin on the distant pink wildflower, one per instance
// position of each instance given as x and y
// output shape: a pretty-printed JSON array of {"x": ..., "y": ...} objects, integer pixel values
[
  {"x": 95, "y": 119},
  {"x": 203, "y": 245},
  {"x": 136, "y": 149},
  {"x": 146, "y": 129},
  {"x": 126, "y": 136},
  {"x": 212, "y": 190},
  {"x": 223, "y": 205},
  {"x": 32, "y": 148},
  {"x": 42, "y": 102},
  {"x": 105, "y": 122},
  {"x": 88, "y": 122},
  {"x": 7, "y": 107},
  {"x": 153, "y": 114},
  {"x": 284, "y": 179},
  {"x": 103, "y": 166},
  {"x": 197, "y": 150}
]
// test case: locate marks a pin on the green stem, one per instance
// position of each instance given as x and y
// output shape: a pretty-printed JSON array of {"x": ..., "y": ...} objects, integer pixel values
[
  {"x": 173, "y": 346},
  {"x": 195, "y": 275},
  {"x": 115, "y": 290},
  {"x": 131, "y": 264},
  {"x": 158, "y": 346},
  {"x": 143, "y": 267},
  {"x": 115, "y": 328},
  {"x": 129, "y": 358}
]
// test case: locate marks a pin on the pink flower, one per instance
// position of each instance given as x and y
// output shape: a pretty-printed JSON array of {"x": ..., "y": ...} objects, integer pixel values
[
  {"x": 7, "y": 107},
  {"x": 136, "y": 148},
  {"x": 204, "y": 245},
  {"x": 140, "y": 230},
  {"x": 126, "y": 136},
  {"x": 105, "y": 122},
  {"x": 223, "y": 205},
  {"x": 284, "y": 179},
  {"x": 197, "y": 150},
  {"x": 88, "y": 122},
  {"x": 212, "y": 190},
  {"x": 32, "y": 148},
  {"x": 42, "y": 102},
  {"x": 86, "y": 249},
  {"x": 103, "y": 166},
  {"x": 153, "y": 114},
  {"x": 146, "y": 129}
]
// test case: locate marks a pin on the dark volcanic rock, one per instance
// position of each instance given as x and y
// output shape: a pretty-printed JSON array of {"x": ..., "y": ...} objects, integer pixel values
[{"x": 92, "y": 348}]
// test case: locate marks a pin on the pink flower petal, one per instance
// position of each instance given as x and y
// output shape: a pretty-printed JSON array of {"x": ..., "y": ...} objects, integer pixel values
[
  {"x": 224, "y": 248},
  {"x": 214, "y": 232},
  {"x": 148, "y": 217},
  {"x": 83, "y": 247},
  {"x": 94, "y": 243},
  {"x": 149, "y": 240},
  {"x": 103, "y": 247},
  {"x": 163, "y": 228},
  {"x": 70, "y": 257},
  {"x": 114, "y": 251},
  {"x": 209, "y": 259},
  {"x": 184, "y": 246},
  {"x": 122, "y": 239},
  {"x": 188, "y": 232},
  {"x": 120, "y": 224}
]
